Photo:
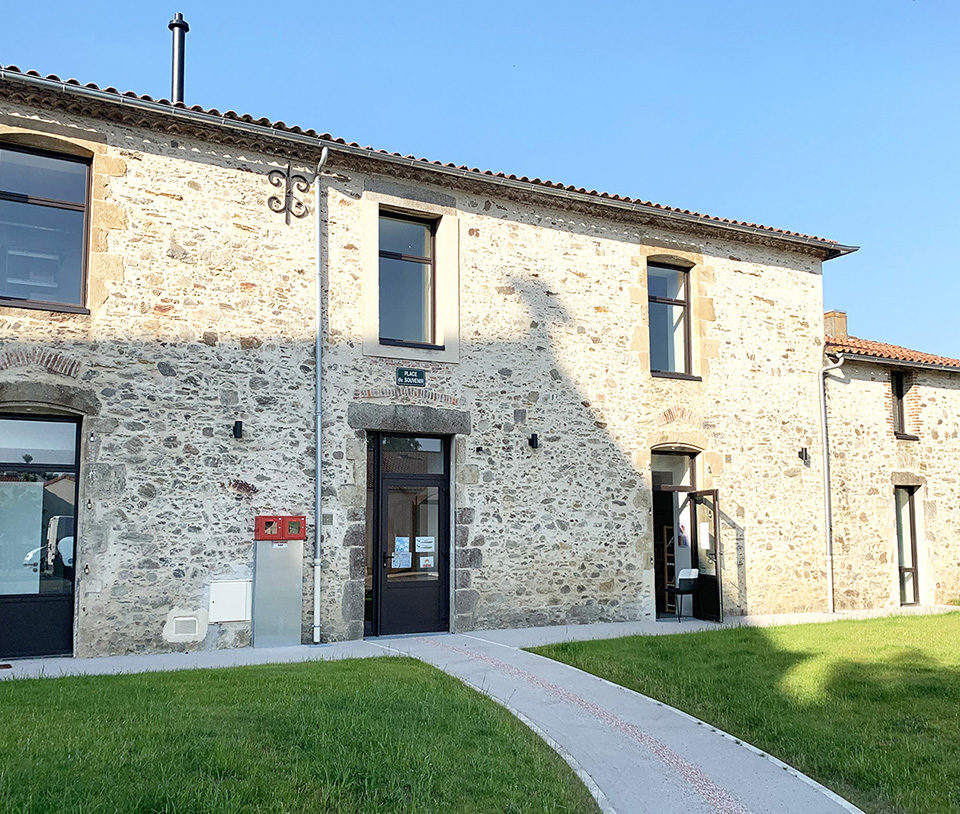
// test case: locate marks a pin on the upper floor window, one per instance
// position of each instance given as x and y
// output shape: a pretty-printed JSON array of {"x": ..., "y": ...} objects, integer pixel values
[
  {"x": 43, "y": 204},
  {"x": 407, "y": 281},
  {"x": 668, "y": 295},
  {"x": 899, "y": 385}
]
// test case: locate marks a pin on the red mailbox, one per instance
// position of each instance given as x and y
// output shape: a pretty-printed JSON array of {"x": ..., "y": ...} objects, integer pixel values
[{"x": 280, "y": 527}]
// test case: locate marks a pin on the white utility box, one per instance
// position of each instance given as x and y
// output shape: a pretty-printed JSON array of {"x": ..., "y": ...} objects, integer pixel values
[{"x": 230, "y": 600}]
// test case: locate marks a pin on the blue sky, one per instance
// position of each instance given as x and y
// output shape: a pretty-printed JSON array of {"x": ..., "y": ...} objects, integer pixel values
[{"x": 838, "y": 118}]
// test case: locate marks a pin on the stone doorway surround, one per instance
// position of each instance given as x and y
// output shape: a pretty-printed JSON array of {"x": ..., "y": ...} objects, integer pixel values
[{"x": 364, "y": 417}]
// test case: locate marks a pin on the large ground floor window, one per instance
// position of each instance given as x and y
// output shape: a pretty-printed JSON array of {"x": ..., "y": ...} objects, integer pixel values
[{"x": 38, "y": 518}]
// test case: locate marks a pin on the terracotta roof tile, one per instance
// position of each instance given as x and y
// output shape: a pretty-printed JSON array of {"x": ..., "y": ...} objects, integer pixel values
[
  {"x": 855, "y": 346},
  {"x": 279, "y": 125}
]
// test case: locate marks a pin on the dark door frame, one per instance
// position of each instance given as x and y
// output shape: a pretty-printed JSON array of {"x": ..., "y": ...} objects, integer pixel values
[
  {"x": 911, "y": 529},
  {"x": 691, "y": 456},
  {"x": 382, "y": 480},
  {"x": 702, "y": 496},
  {"x": 9, "y": 602}
]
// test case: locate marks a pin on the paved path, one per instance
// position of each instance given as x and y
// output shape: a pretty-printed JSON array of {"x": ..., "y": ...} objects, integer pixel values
[
  {"x": 635, "y": 754},
  {"x": 201, "y": 659}
]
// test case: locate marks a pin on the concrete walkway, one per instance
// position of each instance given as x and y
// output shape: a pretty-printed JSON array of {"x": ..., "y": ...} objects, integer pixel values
[
  {"x": 198, "y": 660},
  {"x": 635, "y": 754}
]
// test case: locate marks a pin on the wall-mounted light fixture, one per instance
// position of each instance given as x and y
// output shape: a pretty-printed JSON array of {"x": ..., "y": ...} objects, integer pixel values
[
  {"x": 804, "y": 456},
  {"x": 534, "y": 441},
  {"x": 238, "y": 429}
]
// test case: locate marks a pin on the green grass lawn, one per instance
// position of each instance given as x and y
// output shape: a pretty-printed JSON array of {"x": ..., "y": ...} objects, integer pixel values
[
  {"x": 383, "y": 734},
  {"x": 871, "y": 709}
]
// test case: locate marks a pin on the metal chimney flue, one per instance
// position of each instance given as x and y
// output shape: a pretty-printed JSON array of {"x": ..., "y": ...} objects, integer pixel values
[{"x": 179, "y": 28}]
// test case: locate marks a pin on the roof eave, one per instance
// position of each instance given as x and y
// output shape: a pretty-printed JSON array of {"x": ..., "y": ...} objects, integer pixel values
[
  {"x": 826, "y": 249},
  {"x": 883, "y": 360}
]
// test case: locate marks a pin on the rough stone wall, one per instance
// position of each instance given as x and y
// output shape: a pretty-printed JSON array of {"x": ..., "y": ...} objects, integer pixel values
[
  {"x": 202, "y": 302},
  {"x": 554, "y": 340},
  {"x": 201, "y": 309},
  {"x": 867, "y": 461}
]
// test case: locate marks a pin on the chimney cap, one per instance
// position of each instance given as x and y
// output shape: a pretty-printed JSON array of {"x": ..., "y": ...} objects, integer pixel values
[{"x": 178, "y": 22}]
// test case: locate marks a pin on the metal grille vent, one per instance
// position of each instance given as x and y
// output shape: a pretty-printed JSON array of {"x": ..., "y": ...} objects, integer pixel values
[{"x": 186, "y": 625}]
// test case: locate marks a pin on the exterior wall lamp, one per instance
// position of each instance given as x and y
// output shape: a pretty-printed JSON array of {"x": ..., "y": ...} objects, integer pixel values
[{"x": 534, "y": 441}]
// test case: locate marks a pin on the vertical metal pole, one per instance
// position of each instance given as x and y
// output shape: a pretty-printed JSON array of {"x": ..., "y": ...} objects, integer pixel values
[
  {"x": 827, "y": 498},
  {"x": 318, "y": 413},
  {"x": 179, "y": 28}
]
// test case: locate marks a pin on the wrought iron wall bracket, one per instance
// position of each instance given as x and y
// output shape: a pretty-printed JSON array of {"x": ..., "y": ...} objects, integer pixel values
[{"x": 290, "y": 183}]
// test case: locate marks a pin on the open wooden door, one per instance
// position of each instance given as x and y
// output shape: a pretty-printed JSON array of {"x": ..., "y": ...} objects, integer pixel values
[{"x": 706, "y": 554}]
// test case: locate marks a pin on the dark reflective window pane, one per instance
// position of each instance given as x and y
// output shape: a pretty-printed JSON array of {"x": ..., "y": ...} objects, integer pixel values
[
  {"x": 37, "y": 542},
  {"x": 413, "y": 529},
  {"x": 666, "y": 282},
  {"x": 38, "y": 442},
  {"x": 667, "y": 338},
  {"x": 41, "y": 253},
  {"x": 41, "y": 176},
  {"x": 412, "y": 456},
  {"x": 404, "y": 237},
  {"x": 406, "y": 301}
]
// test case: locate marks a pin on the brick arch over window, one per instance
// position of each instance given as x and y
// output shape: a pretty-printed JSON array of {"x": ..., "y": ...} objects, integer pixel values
[{"x": 49, "y": 399}]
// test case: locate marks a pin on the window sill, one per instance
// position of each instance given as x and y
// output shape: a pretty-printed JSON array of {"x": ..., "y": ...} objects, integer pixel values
[
  {"x": 902, "y": 436},
  {"x": 396, "y": 343},
  {"x": 666, "y": 374},
  {"x": 38, "y": 305}
]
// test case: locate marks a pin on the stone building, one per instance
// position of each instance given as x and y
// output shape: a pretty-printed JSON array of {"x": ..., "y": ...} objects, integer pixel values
[
  {"x": 539, "y": 403},
  {"x": 894, "y": 442}
]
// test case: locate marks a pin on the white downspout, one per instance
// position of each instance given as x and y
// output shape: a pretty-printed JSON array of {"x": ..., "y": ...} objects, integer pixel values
[
  {"x": 318, "y": 412},
  {"x": 827, "y": 502}
]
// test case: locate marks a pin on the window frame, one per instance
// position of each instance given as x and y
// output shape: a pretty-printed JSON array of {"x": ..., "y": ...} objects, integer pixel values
[
  {"x": 898, "y": 390},
  {"x": 432, "y": 224},
  {"x": 32, "y": 468},
  {"x": 911, "y": 492},
  {"x": 686, "y": 303},
  {"x": 54, "y": 203}
]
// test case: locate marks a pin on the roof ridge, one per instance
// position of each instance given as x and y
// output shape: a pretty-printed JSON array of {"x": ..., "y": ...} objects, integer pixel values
[{"x": 282, "y": 126}]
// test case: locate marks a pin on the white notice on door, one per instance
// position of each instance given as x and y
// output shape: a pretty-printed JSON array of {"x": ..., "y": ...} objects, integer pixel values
[
  {"x": 427, "y": 563},
  {"x": 426, "y": 545},
  {"x": 401, "y": 544},
  {"x": 706, "y": 533},
  {"x": 401, "y": 559}
]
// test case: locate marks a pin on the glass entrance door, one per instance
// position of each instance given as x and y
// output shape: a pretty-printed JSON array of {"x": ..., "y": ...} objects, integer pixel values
[
  {"x": 38, "y": 500},
  {"x": 708, "y": 599},
  {"x": 409, "y": 559},
  {"x": 907, "y": 544}
]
